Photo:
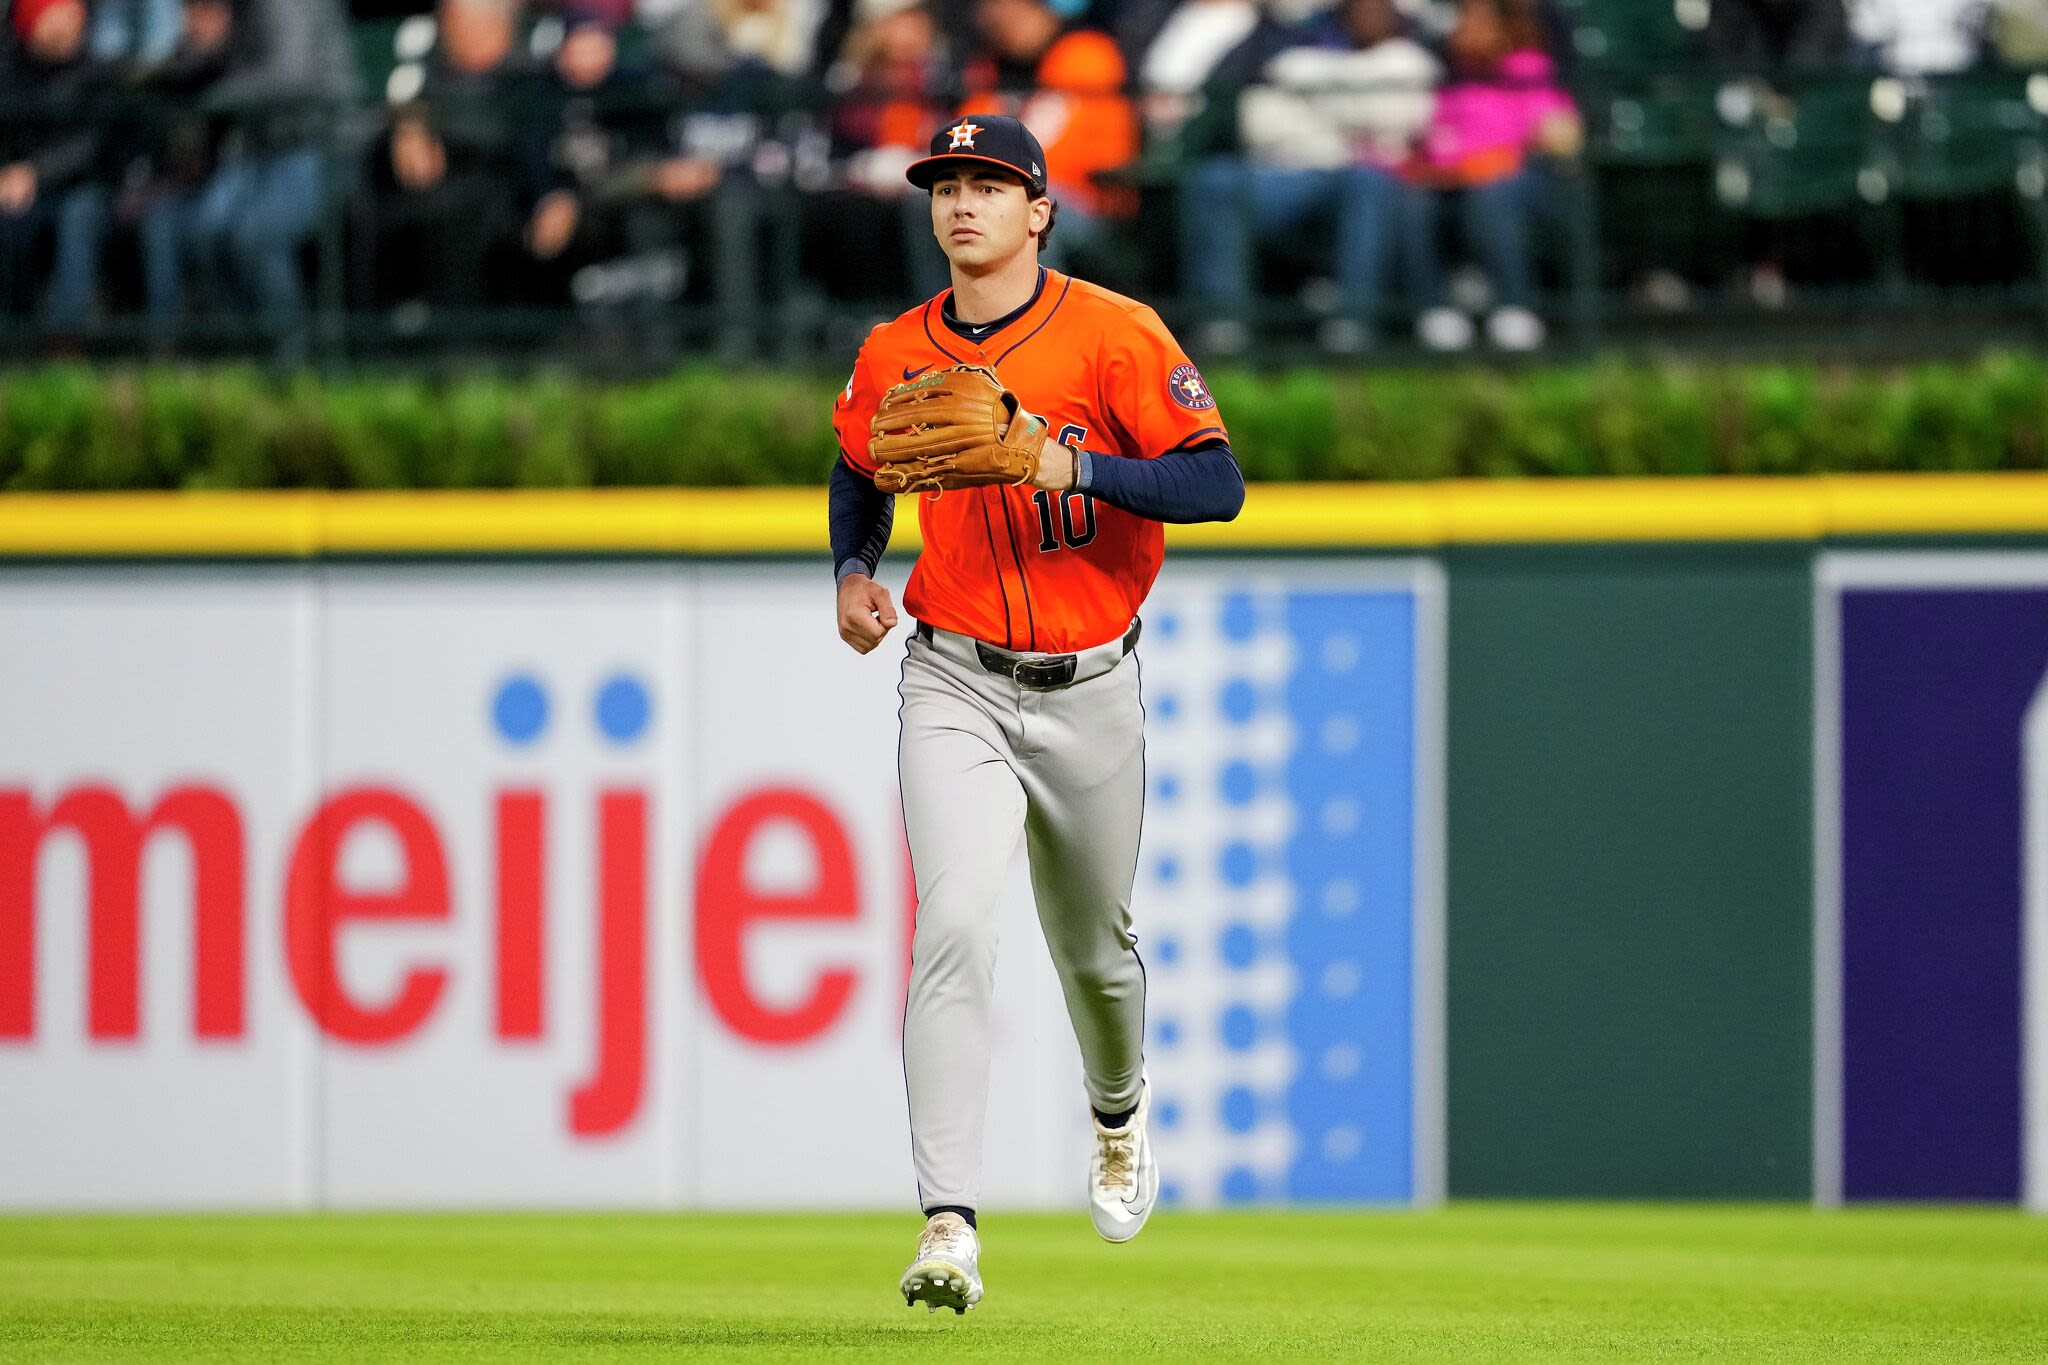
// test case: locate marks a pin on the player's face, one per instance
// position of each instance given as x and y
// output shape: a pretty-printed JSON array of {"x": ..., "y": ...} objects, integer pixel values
[{"x": 984, "y": 219}]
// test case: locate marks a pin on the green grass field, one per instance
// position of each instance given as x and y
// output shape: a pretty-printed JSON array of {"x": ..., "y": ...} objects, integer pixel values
[{"x": 1474, "y": 1282}]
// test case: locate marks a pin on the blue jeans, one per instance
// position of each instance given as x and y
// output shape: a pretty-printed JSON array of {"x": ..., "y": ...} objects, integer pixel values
[
  {"x": 1497, "y": 223},
  {"x": 165, "y": 229},
  {"x": 78, "y": 217},
  {"x": 124, "y": 30},
  {"x": 1228, "y": 207},
  {"x": 241, "y": 236}
]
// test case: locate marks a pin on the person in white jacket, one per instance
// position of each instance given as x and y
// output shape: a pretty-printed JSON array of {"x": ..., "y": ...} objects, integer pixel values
[
  {"x": 1325, "y": 130},
  {"x": 1922, "y": 37}
]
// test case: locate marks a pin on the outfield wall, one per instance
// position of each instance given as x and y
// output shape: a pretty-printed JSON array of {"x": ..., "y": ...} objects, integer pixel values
[{"x": 1618, "y": 840}]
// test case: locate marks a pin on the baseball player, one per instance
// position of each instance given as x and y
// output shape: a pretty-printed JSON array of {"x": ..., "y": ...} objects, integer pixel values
[{"x": 1049, "y": 427}]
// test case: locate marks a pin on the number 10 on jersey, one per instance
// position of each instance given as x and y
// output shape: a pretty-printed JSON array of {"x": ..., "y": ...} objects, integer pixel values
[{"x": 1075, "y": 524}]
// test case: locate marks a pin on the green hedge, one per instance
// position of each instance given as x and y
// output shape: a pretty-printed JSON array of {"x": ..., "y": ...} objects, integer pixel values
[{"x": 77, "y": 428}]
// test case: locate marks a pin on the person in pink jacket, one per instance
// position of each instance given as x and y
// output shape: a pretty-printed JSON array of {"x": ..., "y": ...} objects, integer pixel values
[{"x": 1500, "y": 116}]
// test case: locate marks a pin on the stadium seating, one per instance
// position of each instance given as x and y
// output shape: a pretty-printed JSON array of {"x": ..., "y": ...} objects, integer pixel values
[
  {"x": 1974, "y": 135},
  {"x": 1789, "y": 155}
]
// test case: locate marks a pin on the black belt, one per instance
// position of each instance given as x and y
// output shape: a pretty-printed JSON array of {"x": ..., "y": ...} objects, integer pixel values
[{"x": 1038, "y": 672}]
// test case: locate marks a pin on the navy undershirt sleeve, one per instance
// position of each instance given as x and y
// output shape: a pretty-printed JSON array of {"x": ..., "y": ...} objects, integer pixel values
[
  {"x": 862, "y": 516},
  {"x": 1202, "y": 483}
]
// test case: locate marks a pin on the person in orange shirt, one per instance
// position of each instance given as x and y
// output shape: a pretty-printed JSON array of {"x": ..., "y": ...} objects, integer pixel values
[
  {"x": 1068, "y": 83},
  {"x": 1021, "y": 718}
]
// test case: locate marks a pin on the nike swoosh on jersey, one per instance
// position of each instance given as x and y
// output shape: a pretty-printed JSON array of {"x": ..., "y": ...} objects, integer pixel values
[{"x": 909, "y": 374}]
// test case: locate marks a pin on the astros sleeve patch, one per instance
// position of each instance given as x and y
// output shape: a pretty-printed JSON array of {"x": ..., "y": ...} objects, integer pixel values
[{"x": 1159, "y": 396}]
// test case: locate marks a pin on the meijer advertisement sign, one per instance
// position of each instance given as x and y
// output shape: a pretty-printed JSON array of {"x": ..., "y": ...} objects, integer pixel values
[{"x": 540, "y": 885}]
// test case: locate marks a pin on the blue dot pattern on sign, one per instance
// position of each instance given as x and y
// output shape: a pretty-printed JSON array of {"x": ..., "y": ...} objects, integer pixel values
[
  {"x": 1375, "y": 780},
  {"x": 622, "y": 708},
  {"x": 520, "y": 708},
  {"x": 1166, "y": 707},
  {"x": 1239, "y": 701},
  {"x": 1240, "y": 1028},
  {"x": 1169, "y": 1192},
  {"x": 1240, "y": 1109},
  {"x": 1239, "y": 618},
  {"x": 1239, "y": 864},
  {"x": 1167, "y": 626},
  {"x": 1308, "y": 894}
]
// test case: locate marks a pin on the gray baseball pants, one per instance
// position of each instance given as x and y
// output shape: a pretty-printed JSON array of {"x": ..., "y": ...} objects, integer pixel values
[{"x": 985, "y": 761}]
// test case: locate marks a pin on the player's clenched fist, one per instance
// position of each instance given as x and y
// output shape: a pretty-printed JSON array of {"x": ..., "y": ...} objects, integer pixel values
[
  {"x": 954, "y": 428},
  {"x": 865, "y": 612}
]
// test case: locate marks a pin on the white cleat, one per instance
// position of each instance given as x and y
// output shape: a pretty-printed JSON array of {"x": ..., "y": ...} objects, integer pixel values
[
  {"x": 1123, "y": 1179},
  {"x": 946, "y": 1273}
]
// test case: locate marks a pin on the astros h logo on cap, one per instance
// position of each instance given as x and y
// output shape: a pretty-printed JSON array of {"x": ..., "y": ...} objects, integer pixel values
[{"x": 988, "y": 140}]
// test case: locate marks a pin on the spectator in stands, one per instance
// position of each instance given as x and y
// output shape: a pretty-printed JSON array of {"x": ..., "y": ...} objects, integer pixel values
[
  {"x": 1325, "y": 132},
  {"x": 448, "y": 211},
  {"x": 1138, "y": 24},
  {"x": 1923, "y": 37},
  {"x": 290, "y": 72},
  {"x": 707, "y": 41},
  {"x": 886, "y": 87},
  {"x": 1502, "y": 113},
  {"x": 1182, "y": 55},
  {"x": 586, "y": 162},
  {"x": 53, "y": 180},
  {"x": 1191, "y": 93},
  {"x": 181, "y": 152},
  {"x": 570, "y": 165},
  {"x": 1067, "y": 83},
  {"x": 622, "y": 203},
  {"x": 1767, "y": 34}
]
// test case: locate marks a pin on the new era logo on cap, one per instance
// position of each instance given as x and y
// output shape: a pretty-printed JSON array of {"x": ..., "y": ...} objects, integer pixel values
[{"x": 988, "y": 140}]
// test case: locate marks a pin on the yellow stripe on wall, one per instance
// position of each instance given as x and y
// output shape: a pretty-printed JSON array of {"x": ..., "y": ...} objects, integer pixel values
[{"x": 792, "y": 521}]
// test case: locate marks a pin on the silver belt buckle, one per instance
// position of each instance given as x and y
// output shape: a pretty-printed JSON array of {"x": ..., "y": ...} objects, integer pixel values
[
  {"x": 1033, "y": 675},
  {"x": 1046, "y": 675}
]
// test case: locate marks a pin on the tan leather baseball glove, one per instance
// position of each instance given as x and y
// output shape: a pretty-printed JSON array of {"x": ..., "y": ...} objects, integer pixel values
[{"x": 953, "y": 428}]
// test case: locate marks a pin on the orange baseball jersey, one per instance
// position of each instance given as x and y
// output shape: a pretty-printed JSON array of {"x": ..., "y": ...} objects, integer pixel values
[{"x": 1020, "y": 567}]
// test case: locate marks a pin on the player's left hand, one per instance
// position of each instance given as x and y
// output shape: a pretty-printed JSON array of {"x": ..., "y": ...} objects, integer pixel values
[{"x": 954, "y": 428}]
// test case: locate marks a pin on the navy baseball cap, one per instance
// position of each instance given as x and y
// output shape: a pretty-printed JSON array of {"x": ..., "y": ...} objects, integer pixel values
[{"x": 987, "y": 139}]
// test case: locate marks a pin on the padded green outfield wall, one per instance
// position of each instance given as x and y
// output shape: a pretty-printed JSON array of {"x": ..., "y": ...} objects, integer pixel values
[{"x": 1629, "y": 872}]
